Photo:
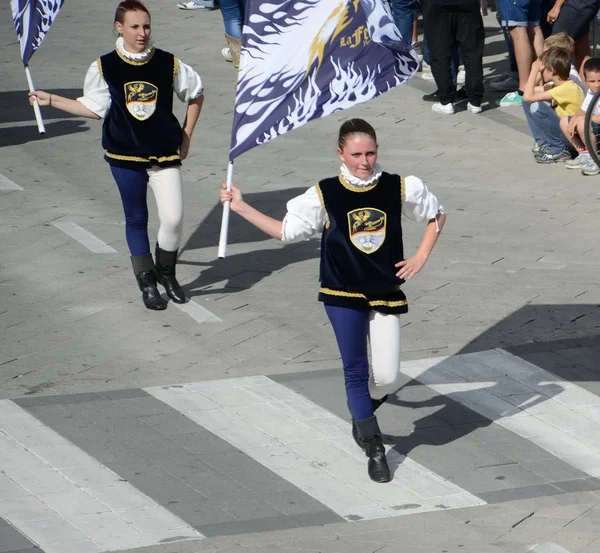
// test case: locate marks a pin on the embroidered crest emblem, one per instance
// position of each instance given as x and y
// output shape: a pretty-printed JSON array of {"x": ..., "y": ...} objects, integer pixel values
[
  {"x": 367, "y": 228},
  {"x": 140, "y": 99}
]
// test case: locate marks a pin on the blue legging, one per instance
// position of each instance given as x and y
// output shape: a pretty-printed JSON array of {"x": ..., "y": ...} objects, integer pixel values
[
  {"x": 133, "y": 187},
  {"x": 351, "y": 328}
]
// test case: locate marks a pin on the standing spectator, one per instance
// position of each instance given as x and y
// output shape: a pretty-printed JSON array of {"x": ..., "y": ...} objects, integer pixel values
[
  {"x": 523, "y": 22},
  {"x": 448, "y": 23},
  {"x": 544, "y": 119},
  {"x": 574, "y": 17}
]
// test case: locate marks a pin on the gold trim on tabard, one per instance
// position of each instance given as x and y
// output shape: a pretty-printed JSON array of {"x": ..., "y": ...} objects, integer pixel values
[
  {"x": 99, "y": 63},
  {"x": 372, "y": 303},
  {"x": 144, "y": 159}
]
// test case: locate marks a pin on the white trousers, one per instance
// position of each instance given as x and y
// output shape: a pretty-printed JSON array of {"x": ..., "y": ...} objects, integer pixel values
[
  {"x": 384, "y": 338},
  {"x": 168, "y": 192}
]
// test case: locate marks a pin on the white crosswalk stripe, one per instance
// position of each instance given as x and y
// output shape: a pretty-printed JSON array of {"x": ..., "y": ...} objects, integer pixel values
[
  {"x": 310, "y": 447},
  {"x": 64, "y": 500},
  {"x": 555, "y": 414}
]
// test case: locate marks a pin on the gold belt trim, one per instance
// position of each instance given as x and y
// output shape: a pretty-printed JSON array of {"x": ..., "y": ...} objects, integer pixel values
[
  {"x": 374, "y": 303},
  {"x": 160, "y": 159}
]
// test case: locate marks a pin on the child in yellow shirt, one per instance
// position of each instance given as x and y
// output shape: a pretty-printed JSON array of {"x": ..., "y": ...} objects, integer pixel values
[{"x": 565, "y": 98}]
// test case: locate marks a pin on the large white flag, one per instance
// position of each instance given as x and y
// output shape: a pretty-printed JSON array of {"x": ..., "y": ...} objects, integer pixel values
[
  {"x": 32, "y": 19},
  {"x": 305, "y": 59}
]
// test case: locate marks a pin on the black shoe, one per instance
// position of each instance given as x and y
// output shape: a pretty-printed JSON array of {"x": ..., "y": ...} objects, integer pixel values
[
  {"x": 378, "y": 468},
  {"x": 370, "y": 435},
  {"x": 165, "y": 274},
  {"x": 459, "y": 96},
  {"x": 145, "y": 274},
  {"x": 356, "y": 435},
  {"x": 377, "y": 403}
]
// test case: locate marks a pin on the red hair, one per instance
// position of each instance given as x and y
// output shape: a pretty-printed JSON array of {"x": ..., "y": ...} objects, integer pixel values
[{"x": 129, "y": 6}]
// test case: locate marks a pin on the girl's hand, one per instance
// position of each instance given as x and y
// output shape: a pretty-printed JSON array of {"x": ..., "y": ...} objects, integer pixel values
[
  {"x": 235, "y": 197},
  {"x": 410, "y": 267},
  {"x": 553, "y": 14},
  {"x": 184, "y": 149},
  {"x": 43, "y": 98}
]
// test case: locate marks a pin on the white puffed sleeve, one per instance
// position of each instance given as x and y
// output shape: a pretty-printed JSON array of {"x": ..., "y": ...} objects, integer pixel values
[
  {"x": 419, "y": 203},
  {"x": 304, "y": 218},
  {"x": 96, "y": 96},
  {"x": 187, "y": 83}
]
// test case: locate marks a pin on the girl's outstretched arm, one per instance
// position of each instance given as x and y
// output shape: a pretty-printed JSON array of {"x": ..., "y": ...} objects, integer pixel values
[
  {"x": 64, "y": 104},
  {"x": 263, "y": 222}
]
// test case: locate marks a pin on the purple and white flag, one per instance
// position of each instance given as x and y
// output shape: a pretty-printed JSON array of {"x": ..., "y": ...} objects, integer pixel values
[
  {"x": 32, "y": 19},
  {"x": 305, "y": 59}
]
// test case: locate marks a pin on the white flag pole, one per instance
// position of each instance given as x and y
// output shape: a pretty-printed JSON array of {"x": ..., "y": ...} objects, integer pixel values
[
  {"x": 225, "y": 217},
  {"x": 36, "y": 106}
]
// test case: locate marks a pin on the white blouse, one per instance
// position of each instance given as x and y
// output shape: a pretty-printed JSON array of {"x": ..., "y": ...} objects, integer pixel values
[
  {"x": 96, "y": 97},
  {"x": 306, "y": 216}
]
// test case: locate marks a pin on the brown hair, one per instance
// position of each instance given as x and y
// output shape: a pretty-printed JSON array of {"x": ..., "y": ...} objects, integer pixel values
[
  {"x": 129, "y": 6},
  {"x": 557, "y": 60},
  {"x": 560, "y": 40},
  {"x": 353, "y": 126}
]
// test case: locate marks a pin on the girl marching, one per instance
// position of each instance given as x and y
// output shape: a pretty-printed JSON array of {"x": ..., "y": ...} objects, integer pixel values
[
  {"x": 131, "y": 88},
  {"x": 362, "y": 268}
]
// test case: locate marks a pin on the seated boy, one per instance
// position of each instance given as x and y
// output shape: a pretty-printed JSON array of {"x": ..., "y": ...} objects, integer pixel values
[
  {"x": 565, "y": 96},
  {"x": 574, "y": 127}
]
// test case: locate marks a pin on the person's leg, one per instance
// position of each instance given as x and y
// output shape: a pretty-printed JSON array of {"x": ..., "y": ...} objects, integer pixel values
[
  {"x": 536, "y": 37},
  {"x": 538, "y": 137},
  {"x": 574, "y": 19},
  {"x": 547, "y": 122},
  {"x": 351, "y": 329},
  {"x": 470, "y": 36},
  {"x": 436, "y": 21},
  {"x": 404, "y": 15},
  {"x": 385, "y": 339},
  {"x": 132, "y": 185},
  {"x": 167, "y": 188},
  {"x": 232, "y": 12},
  {"x": 579, "y": 137},
  {"x": 524, "y": 53}
]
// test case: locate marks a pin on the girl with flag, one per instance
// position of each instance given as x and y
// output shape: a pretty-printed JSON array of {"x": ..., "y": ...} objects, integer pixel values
[
  {"x": 362, "y": 268},
  {"x": 131, "y": 88}
]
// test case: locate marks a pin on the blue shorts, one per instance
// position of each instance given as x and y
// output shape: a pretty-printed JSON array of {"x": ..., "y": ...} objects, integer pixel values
[{"x": 520, "y": 13}]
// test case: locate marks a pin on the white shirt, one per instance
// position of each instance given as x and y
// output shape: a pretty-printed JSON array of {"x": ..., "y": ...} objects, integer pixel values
[
  {"x": 96, "y": 97},
  {"x": 306, "y": 216},
  {"x": 587, "y": 100}
]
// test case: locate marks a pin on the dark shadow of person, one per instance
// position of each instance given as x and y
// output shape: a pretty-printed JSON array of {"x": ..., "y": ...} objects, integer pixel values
[
  {"x": 15, "y": 107},
  {"x": 30, "y": 133}
]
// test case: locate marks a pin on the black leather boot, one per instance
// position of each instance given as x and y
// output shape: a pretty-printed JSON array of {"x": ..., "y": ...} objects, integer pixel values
[
  {"x": 369, "y": 432},
  {"x": 377, "y": 403},
  {"x": 145, "y": 274},
  {"x": 165, "y": 271}
]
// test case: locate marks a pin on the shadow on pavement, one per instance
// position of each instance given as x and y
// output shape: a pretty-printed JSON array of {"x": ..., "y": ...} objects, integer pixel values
[
  {"x": 15, "y": 107},
  {"x": 23, "y": 134},
  {"x": 244, "y": 270}
]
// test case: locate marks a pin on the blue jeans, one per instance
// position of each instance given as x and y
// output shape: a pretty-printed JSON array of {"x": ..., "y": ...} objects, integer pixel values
[
  {"x": 404, "y": 15},
  {"x": 544, "y": 123},
  {"x": 232, "y": 12}
]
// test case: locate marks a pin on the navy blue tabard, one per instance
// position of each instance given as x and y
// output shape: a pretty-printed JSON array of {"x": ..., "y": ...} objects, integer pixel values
[
  {"x": 361, "y": 244},
  {"x": 140, "y": 128}
]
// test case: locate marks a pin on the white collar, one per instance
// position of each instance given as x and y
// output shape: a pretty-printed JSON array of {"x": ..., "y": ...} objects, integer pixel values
[
  {"x": 355, "y": 181},
  {"x": 142, "y": 56}
]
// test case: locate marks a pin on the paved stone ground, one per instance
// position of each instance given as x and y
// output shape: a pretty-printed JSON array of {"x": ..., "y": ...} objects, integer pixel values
[{"x": 516, "y": 268}]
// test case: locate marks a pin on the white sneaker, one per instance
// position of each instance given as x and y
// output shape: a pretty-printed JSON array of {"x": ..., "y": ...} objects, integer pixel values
[
  {"x": 226, "y": 53},
  {"x": 474, "y": 109},
  {"x": 444, "y": 109},
  {"x": 460, "y": 76},
  {"x": 426, "y": 72},
  {"x": 191, "y": 6}
]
